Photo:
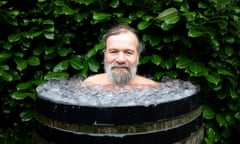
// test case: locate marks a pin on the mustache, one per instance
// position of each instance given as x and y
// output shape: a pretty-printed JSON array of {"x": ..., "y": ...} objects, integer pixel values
[{"x": 113, "y": 65}]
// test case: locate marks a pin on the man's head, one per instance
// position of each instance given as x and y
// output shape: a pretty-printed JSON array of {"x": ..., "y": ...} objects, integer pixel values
[{"x": 122, "y": 51}]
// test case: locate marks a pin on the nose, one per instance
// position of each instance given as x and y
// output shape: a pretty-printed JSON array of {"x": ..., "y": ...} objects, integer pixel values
[{"x": 121, "y": 58}]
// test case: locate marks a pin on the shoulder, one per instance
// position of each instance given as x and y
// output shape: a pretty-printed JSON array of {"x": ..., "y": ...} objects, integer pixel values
[
  {"x": 97, "y": 79},
  {"x": 95, "y": 76},
  {"x": 145, "y": 81}
]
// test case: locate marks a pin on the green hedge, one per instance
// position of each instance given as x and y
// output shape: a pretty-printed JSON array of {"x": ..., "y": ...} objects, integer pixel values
[{"x": 192, "y": 40}]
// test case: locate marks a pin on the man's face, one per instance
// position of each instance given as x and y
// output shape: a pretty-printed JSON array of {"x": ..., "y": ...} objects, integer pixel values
[{"x": 121, "y": 57}]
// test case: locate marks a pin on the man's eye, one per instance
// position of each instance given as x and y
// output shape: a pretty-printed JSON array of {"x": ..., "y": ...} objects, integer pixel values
[
  {"x": 112, "y": 51},
  {"x": 129, "y": 52}
]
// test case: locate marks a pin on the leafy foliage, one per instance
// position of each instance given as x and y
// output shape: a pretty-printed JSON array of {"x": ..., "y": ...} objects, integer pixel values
[{"x": 192, "y": 40}]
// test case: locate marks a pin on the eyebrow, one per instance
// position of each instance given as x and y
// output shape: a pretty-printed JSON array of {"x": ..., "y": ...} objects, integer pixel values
[{"x": 110, "y": 49}]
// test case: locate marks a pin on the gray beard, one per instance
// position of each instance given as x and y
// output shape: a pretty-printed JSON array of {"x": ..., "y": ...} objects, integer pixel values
[{"x": 120, "y": 77}]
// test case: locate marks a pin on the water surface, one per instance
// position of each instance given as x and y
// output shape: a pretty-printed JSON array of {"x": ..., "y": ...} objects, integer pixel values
[{"x": 74, "y": 92}]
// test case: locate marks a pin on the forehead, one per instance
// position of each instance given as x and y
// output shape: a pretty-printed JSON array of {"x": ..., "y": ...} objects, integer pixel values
[{"x": 122, "y": 40}]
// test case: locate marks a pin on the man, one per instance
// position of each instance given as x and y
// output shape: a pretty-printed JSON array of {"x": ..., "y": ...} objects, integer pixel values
[{"x": 121, "y": 57}]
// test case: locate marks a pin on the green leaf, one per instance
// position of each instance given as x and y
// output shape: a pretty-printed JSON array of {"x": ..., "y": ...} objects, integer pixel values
[
  {"x": 101, "y": 16},
  {"x": 14, "y": 37},
  {"x": 144, "y": 59},
  {"x": 167, "y": 13},
  {"x": 237, "y": 115},
  {"x": 211, "y": 31},
  {"x": 80, "y": 17},
  {"x": 49, "y": 29},
  {"x": 178, "y": 1},
  {"x": 202, "y": 5},
  {"x": 208, "y": 113},
  {"x": 53, "y": 75},
  {"x": 216, "y": 44},
  {"x": 14, "y": 12},
  {"x": 76, "y": 62},
  {"x": 65, "y": 9},
  {"x": 212, "y": 136},
  {"x": 230, "y": 119},
  {"x": 94, "y": 50},
  {"x": 220, "y": 95},
  {"x": 37, "y": 82},
  {"x": 226, "y": 72},
  {"x": 124, "y": 20},
  {"x": 229, "y": 39},
  {"x": 48, "y": 22},
  {"x": 140, "y": 14},
  {"x": 33, "y": 61},
  {"x": 84, "y": 72},
  {"x": 221, "y": 120},
  {"x": 22, "y": 95},
  {"x": 195, "y": 33},
  {"x": 233, "y": 93},
  {"x": 182, "y": 62},
  {"x": 232, "y": 106},
  {"x": 176, "y": 38},
  {"x": 27, "y": 115},
  {"x": 7, "y": 45},
  {"x": 31, "y": 34},
  {"x": 37, "y": 50},
  {"x": 190, "y": 16},
  {"x": 62, "y": 66},
  {"x": 49, "y": 35},
  {"x": 114, "y": 3},
  {"x": 158, "y": 75},
  {"x": 223, "y": 24},
  {"x": 24, "y": 86},
  {"x": 26, "y": 44},
  {"x": 4, "y": 56},
  {"x": 169, "y": 63},
  {"x": 5, "y": 76},
  {"x": 64, "y": 52},
  {"x": 128, "y": 2},
  {"x": 236, "y": 9},
  {"x": 86, "y": 2},
  {"x": 217, "y": 88},
  {"x": 154, "y": 41},
  {"x": 234, "y": 62},
  {"x": 228, "y": 50},
  {"x": 4, "y": 67},
  {"x": 172, "y": 74},
  {"x": 118, "y": 14},
  {"x": 11, "y": 17},
  {"x": 213, "y": 78},
  {"x": 167, "y": 39},
  {"x": 93, "y": 65},
  {"x": 156, "y": 59},
  {"x": 172, "y": 20},
  {"x": 147, "y": 18},
  {"x": 19, "y": 54},
  {"x": 3, "y": 3},
  {"x": 195, "y": 67},
  {"x": 164, "y": 26},
  {"x": 21, "y": 64},
  {"x": 49, "y": 50},
  {"x": 143, "y": 25}
]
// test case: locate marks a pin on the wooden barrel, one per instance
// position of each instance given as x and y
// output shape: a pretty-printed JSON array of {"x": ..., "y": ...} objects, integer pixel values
[{"x": 173, "y": 122}]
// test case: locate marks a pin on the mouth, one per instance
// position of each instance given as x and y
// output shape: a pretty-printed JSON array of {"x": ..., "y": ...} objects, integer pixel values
[{"x": 119, "y": 67}]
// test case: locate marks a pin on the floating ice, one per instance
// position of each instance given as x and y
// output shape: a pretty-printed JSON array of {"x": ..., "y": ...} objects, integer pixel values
[{"x": 73, "y": 92}]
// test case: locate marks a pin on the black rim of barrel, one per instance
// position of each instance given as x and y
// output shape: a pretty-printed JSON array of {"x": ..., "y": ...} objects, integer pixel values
[
  {"x": 116, "y": 115},
  {"x": 163, "y": 136}
]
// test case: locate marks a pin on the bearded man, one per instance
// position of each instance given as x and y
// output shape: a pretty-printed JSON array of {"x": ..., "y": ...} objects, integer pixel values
[{"x": 121, "y": 57}]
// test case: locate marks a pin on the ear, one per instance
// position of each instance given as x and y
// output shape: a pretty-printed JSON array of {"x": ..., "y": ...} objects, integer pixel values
[
  {"x": 104, "y": 50},
  {"x": 138, "y": 58}
]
